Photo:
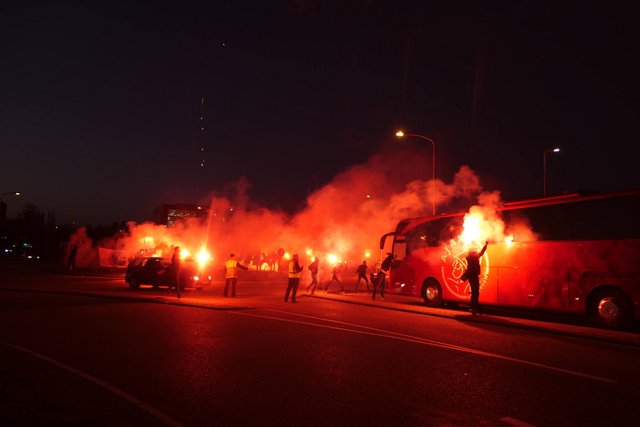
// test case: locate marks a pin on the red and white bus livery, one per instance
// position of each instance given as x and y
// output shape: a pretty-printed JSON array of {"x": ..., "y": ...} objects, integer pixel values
[{"x": 571, "y": 253}]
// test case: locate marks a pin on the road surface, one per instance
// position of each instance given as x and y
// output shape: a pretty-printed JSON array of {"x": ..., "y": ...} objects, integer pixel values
[{"x": 88, "y": 350}]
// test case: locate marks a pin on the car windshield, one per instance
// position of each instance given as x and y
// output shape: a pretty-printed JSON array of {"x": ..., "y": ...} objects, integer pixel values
[
  {"x": 135, "y": 262},
  {"x": 154, "y": 262}
]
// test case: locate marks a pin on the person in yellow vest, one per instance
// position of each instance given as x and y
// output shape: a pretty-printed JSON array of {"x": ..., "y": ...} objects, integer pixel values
[
  {"x": 294, "y": 279},
  {"x": 231, "y": 274}
]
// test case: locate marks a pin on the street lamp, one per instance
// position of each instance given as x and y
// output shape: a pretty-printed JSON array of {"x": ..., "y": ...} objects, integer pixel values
[
  {"x": 401, "y": 134},
  {"x": 544, "y": 165}
]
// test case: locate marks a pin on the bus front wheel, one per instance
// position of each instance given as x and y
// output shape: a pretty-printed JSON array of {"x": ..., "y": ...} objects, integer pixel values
[
  {"x": 431, "y": 293},
  {"x": 610, "y": 308}
]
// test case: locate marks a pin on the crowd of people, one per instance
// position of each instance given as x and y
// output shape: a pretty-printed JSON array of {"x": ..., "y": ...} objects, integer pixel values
[
  {"x": 265, "y": 261},
  {"x": 375, "y": 280}
]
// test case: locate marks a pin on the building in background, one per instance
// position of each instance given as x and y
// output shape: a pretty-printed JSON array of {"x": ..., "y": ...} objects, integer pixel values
[{"x": 168, "y": 214}]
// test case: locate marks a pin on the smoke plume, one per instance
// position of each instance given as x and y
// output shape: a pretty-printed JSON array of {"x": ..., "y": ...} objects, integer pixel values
[{"x": 344, "y": 219}]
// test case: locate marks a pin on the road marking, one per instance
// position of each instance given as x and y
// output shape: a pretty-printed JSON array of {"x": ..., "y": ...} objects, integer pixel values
[
  {"x": 115, "y": 390},
  {"x": 424, "y": 341},
  {"x": 385, "y": 334},
  {"x": 516, "y": 422}
]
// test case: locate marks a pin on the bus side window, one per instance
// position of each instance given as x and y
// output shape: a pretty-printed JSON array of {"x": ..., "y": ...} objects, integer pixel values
[
  {"x": 445, "y": 230},
  {"x": 400, "y": 249},
  {"x": 417, "y": 238},
  {"x": 605, "y": 219},
  {"x": 430, "y": 234},
  {"x": 547, "y": 222}
]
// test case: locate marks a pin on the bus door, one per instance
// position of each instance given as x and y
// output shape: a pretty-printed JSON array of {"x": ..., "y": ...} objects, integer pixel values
[{"x": 402, "y": 275}]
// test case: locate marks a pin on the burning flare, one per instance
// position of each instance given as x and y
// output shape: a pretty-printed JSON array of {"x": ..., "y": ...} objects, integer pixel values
[
  {"x": 184, "y": 253},
  {"x": 508, "y": 240},
  {"x": 333, "y": 259},
  {"x": 203, "y": 257}
]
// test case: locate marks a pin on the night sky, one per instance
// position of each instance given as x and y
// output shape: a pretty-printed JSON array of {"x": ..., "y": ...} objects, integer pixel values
[{"x": 100, "y": 116}]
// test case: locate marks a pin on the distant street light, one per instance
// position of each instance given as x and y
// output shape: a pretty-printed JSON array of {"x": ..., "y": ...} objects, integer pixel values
[
  {"x": 3, "y": 206},
  {"x": 402, "y": 134},
  {"x": 544, "y": 165}
]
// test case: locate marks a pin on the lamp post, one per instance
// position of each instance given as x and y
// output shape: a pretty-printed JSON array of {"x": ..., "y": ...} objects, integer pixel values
[
  {"x": 401, "y": 134},
  {"x": 544, "y": 165},
  {"x": 3, "y": 206}
]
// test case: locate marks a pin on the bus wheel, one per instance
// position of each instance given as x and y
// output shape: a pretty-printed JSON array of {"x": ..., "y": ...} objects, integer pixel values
[
  {"x": 134, "y": 283},
  {"x": 431, "y": 292},
  {"x": 610, "y": 308}
]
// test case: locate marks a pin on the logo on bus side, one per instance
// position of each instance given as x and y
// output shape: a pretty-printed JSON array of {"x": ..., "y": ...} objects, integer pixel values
[{"x": 454, "y": 264}]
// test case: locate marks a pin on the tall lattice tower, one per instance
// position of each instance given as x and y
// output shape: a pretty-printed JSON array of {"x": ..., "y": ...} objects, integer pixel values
[{"x": 201, "y": 154}]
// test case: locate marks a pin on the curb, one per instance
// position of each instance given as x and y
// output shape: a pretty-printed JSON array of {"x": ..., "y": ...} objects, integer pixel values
[{"x": 581, "y": 332}]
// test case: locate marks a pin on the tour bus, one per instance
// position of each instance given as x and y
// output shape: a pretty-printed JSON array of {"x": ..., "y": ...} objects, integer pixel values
[{"x": 572, "y": 253}]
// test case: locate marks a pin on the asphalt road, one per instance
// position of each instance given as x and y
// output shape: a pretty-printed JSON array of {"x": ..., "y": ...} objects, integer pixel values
[{"x": 88, "y": 350}]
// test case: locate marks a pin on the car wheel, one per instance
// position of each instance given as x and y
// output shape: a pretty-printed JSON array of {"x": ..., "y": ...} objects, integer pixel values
[
  {"x": 610, "y": 308},
  {"x": 431, "y": 293},
  {"x": 134, "y": 283}
]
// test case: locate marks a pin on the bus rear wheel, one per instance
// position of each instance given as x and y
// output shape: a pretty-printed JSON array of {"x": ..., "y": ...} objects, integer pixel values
[
  {"x": 610, "y": 308},
  {"x": 431, "y": 293}
]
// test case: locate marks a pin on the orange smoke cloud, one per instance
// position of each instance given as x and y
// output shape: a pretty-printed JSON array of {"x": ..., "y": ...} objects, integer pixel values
[{"x": 345, "y": 218}]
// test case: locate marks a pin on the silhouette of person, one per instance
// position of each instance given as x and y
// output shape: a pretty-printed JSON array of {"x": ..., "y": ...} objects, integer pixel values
[
  {"x": 472, "y": 274},
  {"x": 175, "y": 269},
  {"x": 362, "y": 275},
  {"x": 382, "y": 270},
  {"x": 313, "y": 268},
  {"x": 71, "y": 261},
  {"x": 294, "y": 279},
  {"x": 231, "y": 274},
  {"x": 335, "y": 277},
  {"x": 280, "y": 254}
]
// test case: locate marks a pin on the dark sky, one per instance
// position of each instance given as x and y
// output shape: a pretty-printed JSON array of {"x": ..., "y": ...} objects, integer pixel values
[{"x": 100, "y": 101}]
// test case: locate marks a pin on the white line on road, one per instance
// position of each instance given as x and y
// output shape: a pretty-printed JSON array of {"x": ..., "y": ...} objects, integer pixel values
[
  {"x": 124, "y": 395},
  {"x": 424, "y": 341}
]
